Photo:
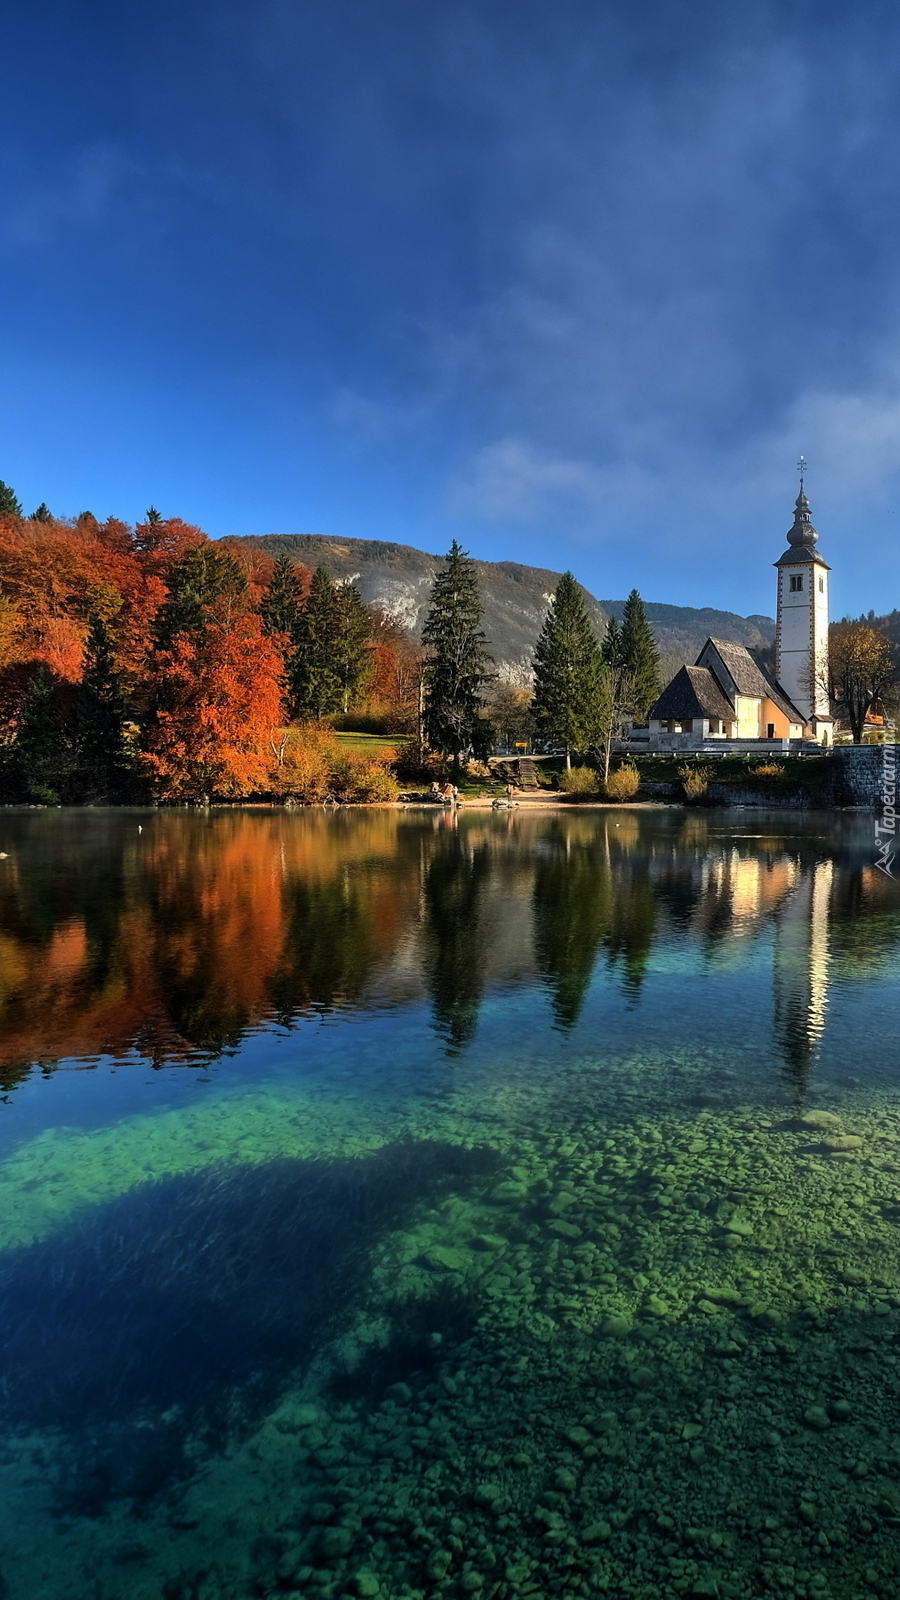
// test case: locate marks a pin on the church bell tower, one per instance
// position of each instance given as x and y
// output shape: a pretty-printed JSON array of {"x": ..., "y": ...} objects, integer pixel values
[{"x": 801, "y": 635}]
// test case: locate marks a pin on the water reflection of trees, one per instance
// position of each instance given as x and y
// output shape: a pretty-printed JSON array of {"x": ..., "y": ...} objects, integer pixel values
[
  {"x": 177, "y": 939},
  {"x": 454, "y": 934}
]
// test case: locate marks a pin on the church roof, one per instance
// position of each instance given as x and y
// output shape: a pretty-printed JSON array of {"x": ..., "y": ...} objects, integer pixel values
[
  {"x": 749, "y": 678},
  {"x": 693, "y": 692}
]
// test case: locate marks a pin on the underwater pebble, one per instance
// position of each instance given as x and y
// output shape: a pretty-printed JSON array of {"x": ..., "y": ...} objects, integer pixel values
[
  {"x": 443, "y": 1258},
  {"x": 819, "y": 1119},
  {"x": 817, "y": 1417}
]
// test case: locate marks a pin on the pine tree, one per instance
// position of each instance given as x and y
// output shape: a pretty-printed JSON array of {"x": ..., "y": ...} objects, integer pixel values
[
  {"x": 153, "y": 516},
  {"x": 315, "y": 678},
  {"x": 354, "y": 643},
  {"x": 9, "y": 505},
  {"x": 42, "y": 514},
  {"x": 282, "y": 603},
  {"x": 457, "y": 666},
  {"x": 42, "y": 750},
  {"x": 201, "y": 577},
  {"x": 611, "y": 648},
  {"x": 105, "y": 759},
  {"x": 640, "y": 657},
  {"x": 570, "y": 688}
]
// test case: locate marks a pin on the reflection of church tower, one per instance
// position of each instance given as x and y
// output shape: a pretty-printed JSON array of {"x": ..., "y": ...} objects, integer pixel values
[
  {"x": 801, "y": 635},
  {"x": 801, "y": 964}
]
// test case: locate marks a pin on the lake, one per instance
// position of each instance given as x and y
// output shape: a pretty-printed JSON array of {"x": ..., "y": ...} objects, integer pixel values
[{"x": 400, "y": 1204}]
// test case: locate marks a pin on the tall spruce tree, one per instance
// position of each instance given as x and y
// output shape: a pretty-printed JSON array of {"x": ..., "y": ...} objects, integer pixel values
[
  {"x": 570, "y": 689},
  {"x": 354, "y": 654},
  {"x": 618, "y": 686},
  {"x": 317, "y": 688},
  {"x": 457, "y": 666},
  {"x": 640, "y": 657},
  {"x": 9, "y": 505},
  {"x": 105, "y": 759},
  {"x": 42, "y": 514},
  {"x": 43, "y": 751},
  {"x": 282, "y": 603},
  {"x": 281, "y": 610},
  {"x": 202, "y": 576}
]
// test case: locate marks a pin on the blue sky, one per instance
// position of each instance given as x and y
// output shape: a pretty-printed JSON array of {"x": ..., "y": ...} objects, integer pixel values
[{"x": 574, "y": 283}]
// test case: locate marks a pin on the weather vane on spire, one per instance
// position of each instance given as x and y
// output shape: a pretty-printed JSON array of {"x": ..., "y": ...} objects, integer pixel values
[{"x": 802, "y": 465}]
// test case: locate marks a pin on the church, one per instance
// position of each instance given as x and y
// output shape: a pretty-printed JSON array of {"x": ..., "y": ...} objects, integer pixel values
[{"x": 728, "y": 700}]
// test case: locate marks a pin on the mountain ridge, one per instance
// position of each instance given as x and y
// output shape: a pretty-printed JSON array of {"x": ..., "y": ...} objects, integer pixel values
[{"x": 398, "y": 577}]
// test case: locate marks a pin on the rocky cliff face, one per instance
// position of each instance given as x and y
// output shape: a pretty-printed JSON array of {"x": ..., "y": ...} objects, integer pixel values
[{"x": 399, "y": 578}]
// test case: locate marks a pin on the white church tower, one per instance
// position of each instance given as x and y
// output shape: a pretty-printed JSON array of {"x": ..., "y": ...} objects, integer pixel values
[{"x": 801, "y": 635}]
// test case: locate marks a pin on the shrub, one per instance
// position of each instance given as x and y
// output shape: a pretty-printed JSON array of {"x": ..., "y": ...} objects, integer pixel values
[
  {"x": 579, "y": 781},
  {"x": 305, "y": 765},
  {"x": 623, "y": 784},
  {"x": 695, "y": 781},
  {"x": 769, "y": 771},
  {"x": 357, "y": 777}
]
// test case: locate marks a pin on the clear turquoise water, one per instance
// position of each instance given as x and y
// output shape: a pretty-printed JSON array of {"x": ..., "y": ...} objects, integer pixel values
[{"x": 394, "y": 1207}]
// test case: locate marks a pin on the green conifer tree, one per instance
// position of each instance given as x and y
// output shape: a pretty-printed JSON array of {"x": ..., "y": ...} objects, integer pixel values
[
  {"x": 43, "y": 750},
  {"x": 570, "y": 687},
  {"x": 282, "y": 603},
  {"x": 9, "y": 505},
  {"x": 202, "y": 576},
  {"x": 281, "y": 610},
  {"x": 315, "y": 678},
  {"x": 42, "y": 514},
  {"x": 153, "y": 516},
  {"x": 458, "y": 664},
  {"x": 354, "y": 655},
  {"x": 105, "y": 759},
  {"x": 640, "y": 657}
]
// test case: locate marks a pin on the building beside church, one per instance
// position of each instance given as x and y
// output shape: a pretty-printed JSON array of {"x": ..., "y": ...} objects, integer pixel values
[{"x": 728, "y": 698}]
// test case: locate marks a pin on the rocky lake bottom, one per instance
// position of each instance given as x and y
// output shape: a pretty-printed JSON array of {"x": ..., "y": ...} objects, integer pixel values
[{"x": 612, "y": 1311}]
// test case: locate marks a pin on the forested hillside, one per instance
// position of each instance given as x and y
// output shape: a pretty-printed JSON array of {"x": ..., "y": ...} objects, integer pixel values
[{"x": 397, "y": 578}]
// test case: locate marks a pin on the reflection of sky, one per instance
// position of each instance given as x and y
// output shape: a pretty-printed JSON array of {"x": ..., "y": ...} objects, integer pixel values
[{"x": 509, "y": 951}]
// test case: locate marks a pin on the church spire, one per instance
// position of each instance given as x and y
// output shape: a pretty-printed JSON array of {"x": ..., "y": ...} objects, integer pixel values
[{"x": 802, "y": 534}]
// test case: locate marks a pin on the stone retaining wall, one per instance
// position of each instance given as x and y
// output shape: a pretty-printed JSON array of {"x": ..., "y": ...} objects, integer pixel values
[
  {"x": 859, "y": 772},
  {"x": 858, "y": 779}
]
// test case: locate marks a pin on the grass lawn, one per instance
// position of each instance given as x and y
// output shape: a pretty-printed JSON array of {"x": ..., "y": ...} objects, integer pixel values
[{"x": 372, "y": 744}]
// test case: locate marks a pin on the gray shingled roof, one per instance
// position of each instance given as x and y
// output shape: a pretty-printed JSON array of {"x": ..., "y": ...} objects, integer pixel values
[
  {"x": 752, "y": 679},
  {"x": 693, "y": 692}
]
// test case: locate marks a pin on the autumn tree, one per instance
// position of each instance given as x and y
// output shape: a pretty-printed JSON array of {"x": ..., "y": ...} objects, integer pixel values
[
  {"x": 397, "y": 666},
  {"x": 217, "y": 702},
  {"x": 861, "y": 670},
  {"x": 569, "y": 680},
  {"x": 509, "y": 707},
  {"x": 457, "y": 665}
]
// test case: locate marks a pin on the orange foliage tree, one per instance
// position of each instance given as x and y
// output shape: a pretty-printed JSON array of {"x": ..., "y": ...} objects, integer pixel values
[{"x": 217, "y": 707}]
